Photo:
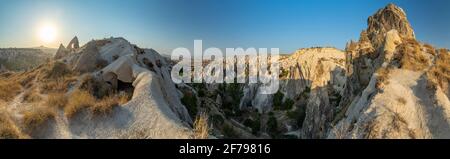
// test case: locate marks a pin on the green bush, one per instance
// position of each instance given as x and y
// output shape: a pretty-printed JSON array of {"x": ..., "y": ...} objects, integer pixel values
[
  {"x": 272, "y": 126},
  {"x": 278, "y": 103},
  {"x": 277, "y": 100},
  {"x": 254, "y": 125},
  {"x": 190, "y": 101},
  {"x": 217, "y": 119},
  {"x": 229, "y": 132},
  {"x": 298, "y": 115}
]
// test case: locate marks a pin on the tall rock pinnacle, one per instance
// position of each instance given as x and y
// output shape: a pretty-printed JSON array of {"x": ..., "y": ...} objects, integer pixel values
[{"x": 386, "y": 19}]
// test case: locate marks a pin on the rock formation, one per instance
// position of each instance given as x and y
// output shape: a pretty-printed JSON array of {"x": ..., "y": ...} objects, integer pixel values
[{"x": 389, "y": 92}]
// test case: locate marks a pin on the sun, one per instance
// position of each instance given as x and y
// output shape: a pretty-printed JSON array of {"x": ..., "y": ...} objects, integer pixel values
[{"x": 47, "y": 33}]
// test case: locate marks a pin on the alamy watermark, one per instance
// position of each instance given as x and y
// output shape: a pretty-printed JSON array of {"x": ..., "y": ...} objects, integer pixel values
[{"x": 237, "y": 65}]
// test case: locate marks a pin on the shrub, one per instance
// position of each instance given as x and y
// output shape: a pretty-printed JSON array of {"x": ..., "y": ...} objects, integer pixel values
[
  {"x": 229, "y": 132},
  {"x": 201, "y": 127},
  {"x": 95, "y": 86},
  {"x": 288, "y": 104},
  {"x": 217, "y": 119},
  {"x": 254, "y": 125},
  {"x": 278, "y": 103},
  {"x": 57, "y": 70},
  {"x": 298, "y": 115},
  {"x": 277, "y": 100},
  {"x": 79, "y": 99},
  {"x": 38, "y": 116},
  {"x": 190, "y": 101},
  {"x": 272, "y": 126},
  {"x": 284, "y": 73}
]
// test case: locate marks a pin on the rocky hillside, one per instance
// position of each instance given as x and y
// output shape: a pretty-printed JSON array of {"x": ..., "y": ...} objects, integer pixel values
[
  {"x": 387, "y": 84},
  {"x": 19, "y": 59},
  {"x": 397, "y": 87},
  {"x": 105, "y": 89}
]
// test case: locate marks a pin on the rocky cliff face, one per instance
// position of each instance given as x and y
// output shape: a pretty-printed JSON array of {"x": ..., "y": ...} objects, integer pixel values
[{"x": 389, "y": 92}]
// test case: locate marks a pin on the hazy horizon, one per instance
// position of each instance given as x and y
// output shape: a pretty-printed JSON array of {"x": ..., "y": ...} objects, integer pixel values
[{"x": 165, "y": 25}]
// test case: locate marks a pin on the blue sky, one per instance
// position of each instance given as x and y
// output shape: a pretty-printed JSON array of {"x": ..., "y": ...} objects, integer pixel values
[{"x": 168, "y": 24}]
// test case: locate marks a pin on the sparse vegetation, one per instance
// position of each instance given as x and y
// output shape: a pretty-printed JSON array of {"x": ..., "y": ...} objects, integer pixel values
[
  {"x": 255, "y": 125},
  {"x": 95, "y": 86},
  {"x": 104, "y": 106},
  {"x": 9, "y": 89},
  {"x": 272, "y": 126},
  {"x": 401, "y": 100},
  {"x": 57, "y": 100},
  {"x": 382, "y": 77},
  {"x": 279, "y": 104},
  {"x": 82, "y": 99},
  {"x": 201, "y": 127},
  {"x": 38, "y": 116},
  {"x": 411, "y": 56},
  {"x": 298, "y": 115},
  {"x": 8, "y": 130},
  {"x": 31, "y": 95},
  {"x": 56, "y": 70},
  {"x": 439, "y": 74},
  {"x": 78, "y": 100},
  {"x": 229, "y": 132},
  {"x": 190, "y": 101}
]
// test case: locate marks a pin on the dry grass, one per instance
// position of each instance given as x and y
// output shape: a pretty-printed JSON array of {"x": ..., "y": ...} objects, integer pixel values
[
  {"x": 95, "y": 86},
  {"x": 56, "y": 70},
  {"x": 31, "y": 95},
  {"x": 9, "y": 89},
  {"x": 382, "y": 77},
  {"x": 411, "y": 57},
  {"x": 56, "y": 100},
  {"x": 439, "y": 74},
  {"x": 8, "y": 130},
  {"x": 401, "y": 100},
  {"x": 201, "y": 127},
  {"x": 104, "y": 106},
  {"x": 429, "y": 49},
  {"x": 79, "y": 100},
  {"x": 38, "y": 116},
  {"x": 82, "y": 99}
]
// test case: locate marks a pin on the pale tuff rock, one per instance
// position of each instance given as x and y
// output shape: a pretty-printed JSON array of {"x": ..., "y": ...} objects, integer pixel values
[
  {"x": 73, "y": 44},
  {"x": 386, "y": 19},
  {"x": 155, "y": 110},
  {"x": 399, "y": 103},
  {"x": 319, "y": 113},
  {"x": 71, "y": 47},
  {"x": 61, "y": 52},
  {"x": 87, "y": 61},
  {"x": 303, "y": 74}
]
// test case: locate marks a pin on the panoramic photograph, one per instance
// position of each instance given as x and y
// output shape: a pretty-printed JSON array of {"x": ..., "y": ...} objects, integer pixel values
[{"x": 207, "y": 69}]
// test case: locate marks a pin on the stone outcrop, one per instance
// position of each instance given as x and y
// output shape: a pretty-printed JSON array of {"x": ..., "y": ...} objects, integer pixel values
[
  {"x": 73, "y": 44},
  {"x": 386, "y": 19},
  {"x": 389, "y": 93}
]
